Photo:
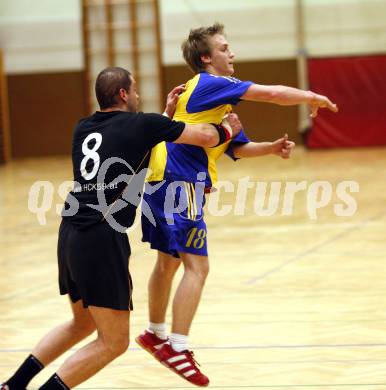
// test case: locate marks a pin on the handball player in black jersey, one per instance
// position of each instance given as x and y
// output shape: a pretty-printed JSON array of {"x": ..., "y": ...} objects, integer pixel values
[{"x": 110, "y": 151}]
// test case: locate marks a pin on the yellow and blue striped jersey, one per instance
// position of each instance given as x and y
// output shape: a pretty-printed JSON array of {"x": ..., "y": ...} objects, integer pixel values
[{"x": 207, "y": 99}]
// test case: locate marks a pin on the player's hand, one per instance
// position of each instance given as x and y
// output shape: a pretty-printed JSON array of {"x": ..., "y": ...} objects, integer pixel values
[
  {"x": 320, "y": 101},
  {"x": 172, "y": 99},
  {"x": 234, "y": 123},
  {"x": 283, "y": 147}
]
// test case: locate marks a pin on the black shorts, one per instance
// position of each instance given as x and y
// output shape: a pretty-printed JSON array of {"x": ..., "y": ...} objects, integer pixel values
[{"x": 94, "y": 266}]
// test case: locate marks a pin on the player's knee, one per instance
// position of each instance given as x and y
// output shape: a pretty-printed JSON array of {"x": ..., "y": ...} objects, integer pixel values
[
  {"x": 167, "y": 269},
  {"x": 83, "y": 326},
  {"x": 200, "y": 270},
  {"x": 117, "y": 345},
  {"x": 88, "y": 327},
  {"x": 204, "y": 271}
]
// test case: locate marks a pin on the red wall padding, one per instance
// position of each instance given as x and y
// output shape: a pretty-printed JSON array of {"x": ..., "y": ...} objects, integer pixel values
[{"x": 358, "y": 86}]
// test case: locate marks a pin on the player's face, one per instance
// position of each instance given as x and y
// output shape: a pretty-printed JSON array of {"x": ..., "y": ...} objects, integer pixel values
[
  {"x": 133, "y": 98},
  {"x": 221, "y": 57}
]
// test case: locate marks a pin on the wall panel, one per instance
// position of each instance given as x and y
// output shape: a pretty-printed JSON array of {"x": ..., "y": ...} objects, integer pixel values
[{"x": 44, "y": 108}]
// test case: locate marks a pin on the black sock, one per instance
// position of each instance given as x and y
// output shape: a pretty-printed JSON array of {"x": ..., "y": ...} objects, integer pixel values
[
  {"x": 54, "y": 383},
  {"x": 25, "y": 373}
]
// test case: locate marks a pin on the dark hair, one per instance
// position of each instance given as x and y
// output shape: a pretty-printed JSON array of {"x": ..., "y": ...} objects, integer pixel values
[
  {"x": 197, "y": 45},
  {"x": 108, "y": 84}
]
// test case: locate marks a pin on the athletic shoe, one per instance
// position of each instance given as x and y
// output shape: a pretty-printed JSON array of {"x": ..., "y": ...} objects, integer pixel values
[
  {"x": 182, "y": 363},
  {"x": 150, "y": 342},
  {"x": 3, "y": 386}
]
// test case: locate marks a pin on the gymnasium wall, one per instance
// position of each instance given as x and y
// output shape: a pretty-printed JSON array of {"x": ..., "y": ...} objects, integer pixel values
[
  {"x": 42, "y": 43},
  {"x": 43, "y": 109},
  {"x": 263, "y": 36},
  {"x": 43, "y": 61},
  {"x": 266, "y": 29}
]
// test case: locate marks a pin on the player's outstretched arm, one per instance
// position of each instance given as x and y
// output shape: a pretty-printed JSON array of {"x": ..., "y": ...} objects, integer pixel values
[
  {"x": 281, "y": 147},
  {"x": 287, "y": 96}
]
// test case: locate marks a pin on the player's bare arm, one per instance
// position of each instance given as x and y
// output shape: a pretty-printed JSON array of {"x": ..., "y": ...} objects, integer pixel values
[
  {"x": 202, "y": 134},
  {"x": 282, "y": 147},
  {"x": 287, "y": 96},
  {"x": 207, "y": 135}
]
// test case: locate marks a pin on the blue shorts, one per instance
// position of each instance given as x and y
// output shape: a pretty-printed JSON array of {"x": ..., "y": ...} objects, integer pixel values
[{"x": 173, "y": 219}]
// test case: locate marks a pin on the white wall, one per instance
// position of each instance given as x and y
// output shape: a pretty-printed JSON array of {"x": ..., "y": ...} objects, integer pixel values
[
  {"x": 345, "y": 27},
  {"x": 45, "y": 35},
  {"x": 265, "y": 29},
  {"x": 40, "y": 36},
  {"x": 255, "y": 28}
]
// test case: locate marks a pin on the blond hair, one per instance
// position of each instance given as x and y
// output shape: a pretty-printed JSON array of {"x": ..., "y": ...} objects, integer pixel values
[{"x": 197, "y": 45}]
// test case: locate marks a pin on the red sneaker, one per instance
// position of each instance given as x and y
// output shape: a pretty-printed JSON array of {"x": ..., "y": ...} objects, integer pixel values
[
  {"x": 3, "y": 386},
  {"x": 182, "y": 363},
  {"x": 150, "y": 342}
]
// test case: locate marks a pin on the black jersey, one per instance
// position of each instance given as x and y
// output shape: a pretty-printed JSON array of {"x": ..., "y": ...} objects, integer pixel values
[{"x": 110, "y": 152}]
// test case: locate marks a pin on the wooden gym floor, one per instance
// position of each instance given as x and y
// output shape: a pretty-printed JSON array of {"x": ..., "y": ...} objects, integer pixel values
[{"x": 291, "y": 302}]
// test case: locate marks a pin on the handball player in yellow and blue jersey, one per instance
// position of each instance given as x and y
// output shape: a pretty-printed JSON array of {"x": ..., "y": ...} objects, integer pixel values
[{"x": 181, "y": 174}]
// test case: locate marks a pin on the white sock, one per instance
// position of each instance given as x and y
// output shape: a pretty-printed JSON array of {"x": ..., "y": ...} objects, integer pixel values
[
  {"x": 159, "y": 330},
  {"x": 179, "y": 342}
]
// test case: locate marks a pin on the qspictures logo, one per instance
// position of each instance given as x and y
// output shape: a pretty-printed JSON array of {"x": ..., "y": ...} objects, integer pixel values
[{"x": 269, "y": 198}]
